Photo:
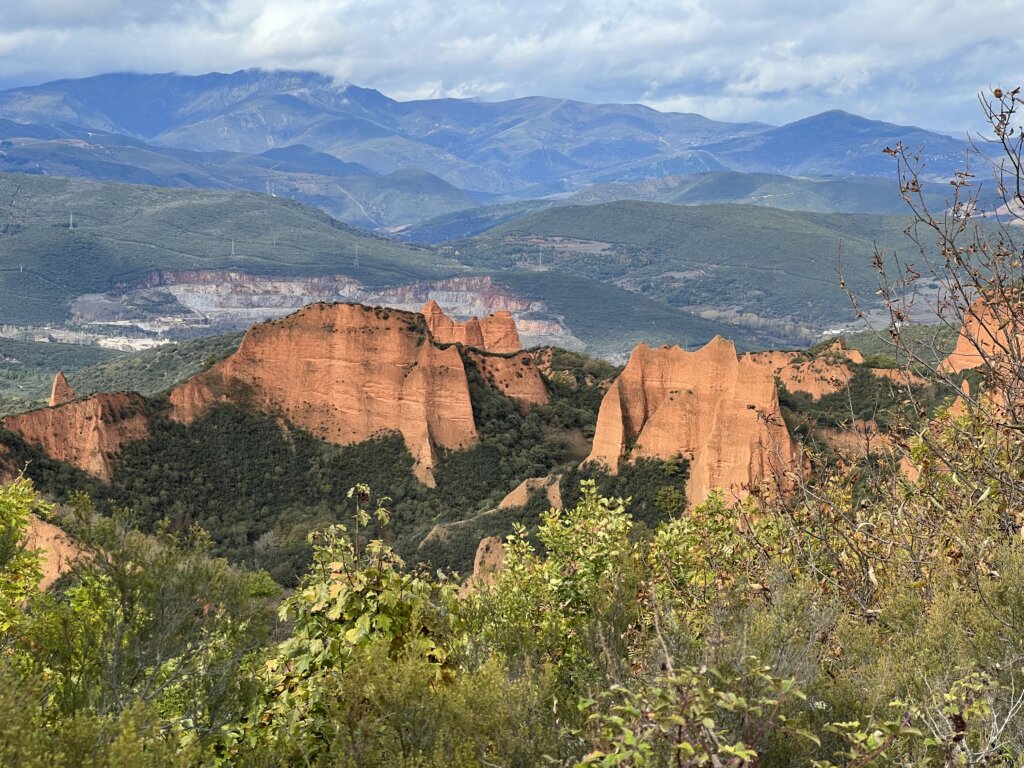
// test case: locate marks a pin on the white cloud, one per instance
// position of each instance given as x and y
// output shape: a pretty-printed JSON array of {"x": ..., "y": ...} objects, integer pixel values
[{"x": 771, "y": 60}]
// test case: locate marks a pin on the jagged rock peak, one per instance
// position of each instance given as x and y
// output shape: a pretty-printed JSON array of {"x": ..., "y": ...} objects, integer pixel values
[
  {"x": 86, "y": 433},
  {"x": 713, "y": 407},
  {"x": 345, "y": 372},
  {"x": 61, "y": 392},
  {"x": 494, "y": 333}
]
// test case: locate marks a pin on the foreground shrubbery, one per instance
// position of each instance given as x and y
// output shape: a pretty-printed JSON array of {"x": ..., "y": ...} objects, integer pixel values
[{"x": 827, "y": 631}]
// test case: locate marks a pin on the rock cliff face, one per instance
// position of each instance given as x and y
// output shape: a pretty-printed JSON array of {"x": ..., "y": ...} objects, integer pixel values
[
  {"x": 500, "y": 334},
  {"x": 487, "y": 564},
  {"x": 718, "y": 410},
  {"x": 235, "y": 299},
  {"x": 86, "y": 433},
  {"x": 991, "y": 335},
  {"x": 516, "y": 377},
  {"x": 521, "y": 493},
  {"x": 447, "y": 331},
  {"x": 345, "y": 372},
  {"x": 58, "y": 551},
  {"x": 495, "y": 333},
  {"x": 61, "y": 392},
  {"x": 827, "y": 373}
]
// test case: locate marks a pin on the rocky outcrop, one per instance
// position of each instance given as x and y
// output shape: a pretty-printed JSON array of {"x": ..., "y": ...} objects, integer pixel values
[
  {"x": 495, "y": 333},
  {"x": 516, "y": 376},
  {"x": 521, "y": 494},
  {"x": 61, "y": 392},
  {"x": 991, "y": 336},
  {"x": 86, "y": 433},
  {"x": 828, "y": 372},
  {"x": 487, "y": 564},
  {"x": 447, "y": 331},
  {"x": 716, "y": 409},
  {"x": 345, "y": 373},
  {"x": 492, "y": 346},
  {"x": 500, "y": 334},
  {"x": 59, "y": 553}
]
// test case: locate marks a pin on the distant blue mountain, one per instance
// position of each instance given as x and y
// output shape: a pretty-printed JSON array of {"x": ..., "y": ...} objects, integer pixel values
[
  {"x": 836, "y": 143},
  {"x": 299, "y": 133}
]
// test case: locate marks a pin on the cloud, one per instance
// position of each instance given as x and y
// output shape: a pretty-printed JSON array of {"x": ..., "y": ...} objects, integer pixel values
[{"x": 769, "y": 60}]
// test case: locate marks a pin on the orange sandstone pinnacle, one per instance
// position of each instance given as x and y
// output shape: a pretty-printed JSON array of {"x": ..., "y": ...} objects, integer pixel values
[
  {"x": 61, "y": 392},
  {"x": 716, "y": 409},
  {"x": 495, "y": 333},
  {"x": 345, "y": 372}
]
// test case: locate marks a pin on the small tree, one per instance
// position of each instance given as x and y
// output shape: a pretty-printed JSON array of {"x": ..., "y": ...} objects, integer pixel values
[{"x": 20, "y": 567}]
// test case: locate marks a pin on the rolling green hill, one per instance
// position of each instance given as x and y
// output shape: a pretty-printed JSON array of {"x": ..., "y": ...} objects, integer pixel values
[
  {"x": 836, "y": 194},
  {"x": 767, "y": 269},
  {"x": 60, "y": 238},
  {"x": 611, "y": 320},
  {"x": 27, "y": 368}
]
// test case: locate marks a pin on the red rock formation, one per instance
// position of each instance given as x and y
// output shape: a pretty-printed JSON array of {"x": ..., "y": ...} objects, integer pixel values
[
  {"x": 718, "y": 410},
  {"x": 58, "y": 551},
  {"x": 61, "y": 392},
  {"x": 991, "y": 335},
  {"x": 345, "y": 373},
  {"x": 516, "y": 377},
  {"x": 495, "y": 333},
  {"x": 829, "y": 372},
  {"x": 521, "y": 493},
  {"x": 487, "y": 564},
  {"x": 500, "y": 334},
  {"x": 85, "y": 433},
  {"x": 447, "y": 331}
]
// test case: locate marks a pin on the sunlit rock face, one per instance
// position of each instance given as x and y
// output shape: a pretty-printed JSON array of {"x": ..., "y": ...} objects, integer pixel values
[
  {"x": 87, "y": 433},
  {"x": 718, "y": 410}
]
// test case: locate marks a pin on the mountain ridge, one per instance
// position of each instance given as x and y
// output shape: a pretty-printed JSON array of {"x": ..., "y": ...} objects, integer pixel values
[{"x": 529, "y": 145}]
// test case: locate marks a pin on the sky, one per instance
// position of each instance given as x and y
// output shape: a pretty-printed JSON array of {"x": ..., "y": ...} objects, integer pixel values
[{"x": 920, "y": 63}]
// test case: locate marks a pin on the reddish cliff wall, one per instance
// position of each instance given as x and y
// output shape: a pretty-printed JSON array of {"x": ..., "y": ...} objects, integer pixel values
[
  {"x": 495, "y": 333},
  {"x": 516, "y": 376},
  {"x": 86, "y": 433},
  {"x": 827, "y": 373},
  {"x": 718, "y": 410},
  {"x": 991, "y": 335},
  {"x": 59, "y": 552},
  {"x": 345, "y": 372}
]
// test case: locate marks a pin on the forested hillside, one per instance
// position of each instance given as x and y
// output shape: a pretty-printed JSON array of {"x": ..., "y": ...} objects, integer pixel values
[
  {"x": 766, "y": 270},
  {"x": 61, "y": 238}
]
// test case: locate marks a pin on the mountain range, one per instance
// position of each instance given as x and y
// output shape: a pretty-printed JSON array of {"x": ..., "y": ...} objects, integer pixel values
[
  {"x": 686, "y": 227},
  {"x": 377, "y": 162}
]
